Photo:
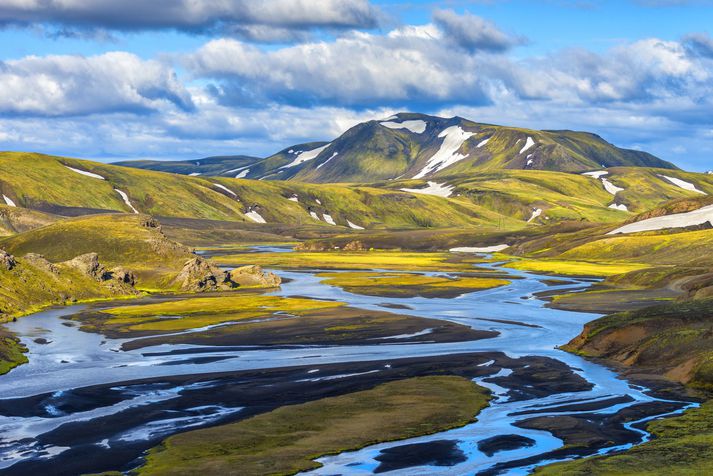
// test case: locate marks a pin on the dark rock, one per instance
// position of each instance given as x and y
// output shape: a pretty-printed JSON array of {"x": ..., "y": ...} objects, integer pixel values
[{"x": 7, "y": 261}]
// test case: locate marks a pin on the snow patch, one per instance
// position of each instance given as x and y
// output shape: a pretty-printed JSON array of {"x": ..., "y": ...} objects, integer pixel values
[
  {"x": 327, "y": 161},
  {"x": 353, "y": 226},
  {"x": 125, "y": 197},
  {"x": 255, "y": 216},
  {"x": 535, "y": 213},
  {"x": 529, "y": 143},
  {"x": 85, "y": 173},
  {"x": 683, "y": 184},
  {"x": 479, "y": 249},
  {"x": 294, "y": 198},
  {"x": 597, "y": 175},
  {"x": 678, "y": 220},
  {"x": 9, "y": 201},
  {"x": 483, "y": 143},
  {"x": 303, "y": 157},
  {"x": 610, "y": 187},
  {"x": 318, "y": 201},
  {"x": 194, "y": 174},
  {"x": 225, "y": 189},
  {"x": 433, "y": 188},
  {"x": 314, "y": 215},
  {"x": 453, "y": 139},
  {"x": 243, "y": 174},
  {"x": 328, "y": 218},
  {"x": 417, "y": 127},
  {"x": 620, "y": 207}
]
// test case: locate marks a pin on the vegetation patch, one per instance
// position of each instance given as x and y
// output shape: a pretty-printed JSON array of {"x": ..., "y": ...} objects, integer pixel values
[
  {"x": 183, "y": 314},
  {"x": 574, "y": 267},
  {"x": 257, "y": 320},
  {"x": 363, "y": 260},
  {"x": 408, "y": 285},
  {"x": 288, "y": 439},
  {"x": 12, "y": 352},
  {"x": 682, "y": 446}
]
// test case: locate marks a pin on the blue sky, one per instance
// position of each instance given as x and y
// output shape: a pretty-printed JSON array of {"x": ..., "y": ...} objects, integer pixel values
[{"x": 167, "y": 80}]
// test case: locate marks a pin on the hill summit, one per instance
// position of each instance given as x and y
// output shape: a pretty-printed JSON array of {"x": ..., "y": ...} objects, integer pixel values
[{"x": 409, "y": 145}]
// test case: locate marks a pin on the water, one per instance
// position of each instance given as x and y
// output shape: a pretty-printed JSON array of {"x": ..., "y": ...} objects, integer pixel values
[{"x": 73, "y": 361}]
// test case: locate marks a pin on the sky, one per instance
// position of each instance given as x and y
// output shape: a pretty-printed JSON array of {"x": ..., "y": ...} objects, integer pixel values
[{"x": 175, "y": 79}]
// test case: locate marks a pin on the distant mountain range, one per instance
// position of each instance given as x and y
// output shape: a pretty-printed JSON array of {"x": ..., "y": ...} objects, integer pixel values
[
  {"x": 219, "y": 166},
  {"x": 417, "y": 146}
]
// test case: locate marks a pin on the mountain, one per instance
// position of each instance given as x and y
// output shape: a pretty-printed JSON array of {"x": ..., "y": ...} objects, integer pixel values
[
  {"x": 228, "y": 165},
  {"x": 420, "y": 146}
]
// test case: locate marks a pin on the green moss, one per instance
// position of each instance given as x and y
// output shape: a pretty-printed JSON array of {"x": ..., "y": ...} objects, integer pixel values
[
  {"x": 404, "y": 284},
  {"x": 12, "y": 352},
  {"x": 286, "y": 440},
  {"x": 683, "y": 446},
  {"x": 354, "y": 260},
  {"x": 575, "y": 267},
  {"x": 171, "y": 316}
]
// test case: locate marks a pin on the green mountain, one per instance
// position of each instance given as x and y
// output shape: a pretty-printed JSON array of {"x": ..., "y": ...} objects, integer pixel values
[
  {"x": 421, "y": 146},
  {"x": 410, "y": 145},
  {"x": 227, "y": 166}
]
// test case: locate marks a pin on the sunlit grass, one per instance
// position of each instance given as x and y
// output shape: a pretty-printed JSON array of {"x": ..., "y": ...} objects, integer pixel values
[{"x": 286, "y": 440}]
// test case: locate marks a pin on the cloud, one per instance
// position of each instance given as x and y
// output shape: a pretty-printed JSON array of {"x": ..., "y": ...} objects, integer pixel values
[
  {"x": 191, "y": 16},
  {"x": 236, "y": 97},
  {"x": 358, "y": 70},
  {"x": 474, "y": 33},
  {"x": 76, "y": 85}
]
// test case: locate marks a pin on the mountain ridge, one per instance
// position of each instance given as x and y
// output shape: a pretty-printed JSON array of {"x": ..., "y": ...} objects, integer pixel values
[{"x": 414, "y": 145}]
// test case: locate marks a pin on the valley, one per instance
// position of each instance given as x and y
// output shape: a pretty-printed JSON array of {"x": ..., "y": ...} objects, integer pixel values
[{"x": 421, "y": 295}]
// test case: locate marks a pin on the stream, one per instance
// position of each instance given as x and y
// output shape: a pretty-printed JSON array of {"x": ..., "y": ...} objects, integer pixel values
[{"x": 83, "y": 405}]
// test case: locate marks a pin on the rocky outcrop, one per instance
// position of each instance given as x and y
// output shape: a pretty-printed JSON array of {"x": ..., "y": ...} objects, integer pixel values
[
  {"x": 254, "y": 276},
  {"x": 7, "y": 261},
  {"x": 40, "y": 262},
  {"x": 123, "y": 276},
  {"x": 89, "y": 265},
  {"x": 198, "y": 274},
  {"x": 356, "y": 245}
]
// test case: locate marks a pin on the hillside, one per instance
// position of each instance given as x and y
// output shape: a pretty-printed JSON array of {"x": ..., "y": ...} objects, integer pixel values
[
  {"x": 228, "y": 166},
  {"x": 420, "y": 146},
  {"x": 501, "y": 199},
  {"x": 133, "y": 242}
]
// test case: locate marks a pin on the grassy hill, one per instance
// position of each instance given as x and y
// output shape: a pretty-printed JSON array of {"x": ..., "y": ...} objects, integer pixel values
[
  {"x": 504, "y": 199},
  {"x": 418, "y": 146},
  {"x": 134, "y": 242}
]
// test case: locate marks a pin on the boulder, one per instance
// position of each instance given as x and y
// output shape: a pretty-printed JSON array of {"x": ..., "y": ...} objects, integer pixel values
[
  {"x": 254, "y": 276},
  {"x": 7, "y": 261},
  {"x": 89, "y": 264},
  {"x": 123, "y": 276}
]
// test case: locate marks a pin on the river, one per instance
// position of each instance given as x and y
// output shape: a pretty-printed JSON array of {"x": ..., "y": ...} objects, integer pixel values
[{"x": 82, "y": 404}]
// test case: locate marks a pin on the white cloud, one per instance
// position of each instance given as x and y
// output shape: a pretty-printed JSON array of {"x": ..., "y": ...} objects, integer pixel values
[{"x": 69, "y": 85}]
